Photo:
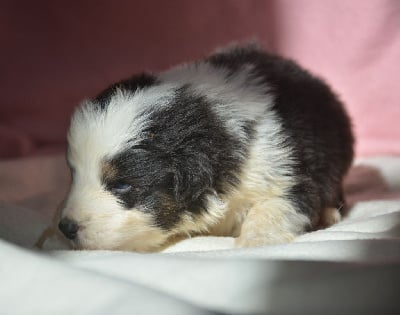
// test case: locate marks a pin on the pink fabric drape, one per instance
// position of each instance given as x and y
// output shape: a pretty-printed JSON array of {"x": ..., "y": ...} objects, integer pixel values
[{"x": 53, "y": 54}]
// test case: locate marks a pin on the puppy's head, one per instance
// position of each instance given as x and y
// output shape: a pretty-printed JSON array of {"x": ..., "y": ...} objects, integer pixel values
[{"x": 133, "y": 181}]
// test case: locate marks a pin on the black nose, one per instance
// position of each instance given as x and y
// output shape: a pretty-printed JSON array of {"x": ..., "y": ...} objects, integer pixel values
[{"x": 69, "y": 228}]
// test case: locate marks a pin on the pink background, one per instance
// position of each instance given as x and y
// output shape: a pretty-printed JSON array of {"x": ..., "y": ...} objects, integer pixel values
[{"x": 55, "y": 53}]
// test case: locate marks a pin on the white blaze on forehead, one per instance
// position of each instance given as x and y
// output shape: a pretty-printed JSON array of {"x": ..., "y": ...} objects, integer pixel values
[{"x": 97, "y": 133}]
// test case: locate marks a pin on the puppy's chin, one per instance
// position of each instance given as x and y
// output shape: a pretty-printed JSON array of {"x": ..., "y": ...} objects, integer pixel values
[
  {"x": 150, "y": 241},
  {"x": 141, "y": 248},
  {"x": 105, "y": 225}
]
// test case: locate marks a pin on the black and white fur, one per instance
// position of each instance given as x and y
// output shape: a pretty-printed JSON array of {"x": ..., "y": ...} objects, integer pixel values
[{"x": 243, "y": 143}]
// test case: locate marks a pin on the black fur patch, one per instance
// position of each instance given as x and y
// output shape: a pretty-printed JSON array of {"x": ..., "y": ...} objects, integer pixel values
[
  {"x": 132, "y": 84},
  {"x": 187, "y": 154},
  {"x": 147, "y": 171},
  {"x": 314, "y": 121}
]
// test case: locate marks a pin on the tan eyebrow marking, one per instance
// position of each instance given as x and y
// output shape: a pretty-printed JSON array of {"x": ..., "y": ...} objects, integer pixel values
[{"x": 108, "y": 171}]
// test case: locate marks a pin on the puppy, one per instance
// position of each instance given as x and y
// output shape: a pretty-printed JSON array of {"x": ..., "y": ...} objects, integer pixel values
[{"x": 242, "y": 143}]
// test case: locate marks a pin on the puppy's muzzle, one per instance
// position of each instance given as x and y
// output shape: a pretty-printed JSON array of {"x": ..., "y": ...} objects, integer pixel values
[{"x": 69, "y": 228}]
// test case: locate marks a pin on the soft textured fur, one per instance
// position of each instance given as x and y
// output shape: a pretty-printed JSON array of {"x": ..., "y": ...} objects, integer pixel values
[{"x": 243, "y": 143}]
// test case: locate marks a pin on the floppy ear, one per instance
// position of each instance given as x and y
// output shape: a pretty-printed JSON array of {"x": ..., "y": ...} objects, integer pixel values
[{"x": 192, "y": 177}]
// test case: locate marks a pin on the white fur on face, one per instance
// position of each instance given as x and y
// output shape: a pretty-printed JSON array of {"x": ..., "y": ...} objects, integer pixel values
[
  {"x": 104, "y": 224},
  {"x": 94, "y": 136}
]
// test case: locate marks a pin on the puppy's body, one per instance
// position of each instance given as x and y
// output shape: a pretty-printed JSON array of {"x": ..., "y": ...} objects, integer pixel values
[{"x": 242, "y": 143}]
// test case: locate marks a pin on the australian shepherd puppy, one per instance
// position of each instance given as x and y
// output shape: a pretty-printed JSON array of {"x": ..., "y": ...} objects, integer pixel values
[{"x": 242, "y": 143}]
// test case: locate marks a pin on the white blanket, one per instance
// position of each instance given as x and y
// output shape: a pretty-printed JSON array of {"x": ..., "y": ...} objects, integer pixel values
[{"x": 352, "y": 267}]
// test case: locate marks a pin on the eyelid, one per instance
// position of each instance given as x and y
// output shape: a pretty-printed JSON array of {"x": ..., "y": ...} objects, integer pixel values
[{"x": 120, "y": 190}]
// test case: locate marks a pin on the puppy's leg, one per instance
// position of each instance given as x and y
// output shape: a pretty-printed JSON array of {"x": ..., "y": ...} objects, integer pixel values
[
  {"x": 329, "y": 217},
  {"x": 271, "y": 221}
]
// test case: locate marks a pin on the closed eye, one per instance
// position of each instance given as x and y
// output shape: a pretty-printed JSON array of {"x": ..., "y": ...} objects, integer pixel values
[{"x": 120, "y": 188}]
